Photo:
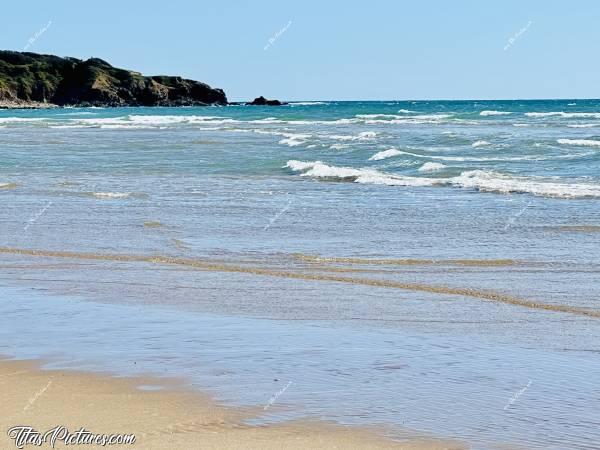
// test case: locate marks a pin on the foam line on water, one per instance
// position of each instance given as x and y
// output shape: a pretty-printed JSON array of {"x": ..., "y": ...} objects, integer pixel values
[{"x": 206, "y": 265}]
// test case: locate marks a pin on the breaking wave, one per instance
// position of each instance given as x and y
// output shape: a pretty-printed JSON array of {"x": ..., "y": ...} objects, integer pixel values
[
  {"x": 494, "y": 113},
  {"x": 480, "y": 180},
  {"x": 294, "y": 140},
  {"x": 566, "y": 115},
  {"x": 385, "y": 154},
  {"x": 431, "y": 167},
  {"x": 583, "y": 142},
  {"x": 308, "y": 103}
]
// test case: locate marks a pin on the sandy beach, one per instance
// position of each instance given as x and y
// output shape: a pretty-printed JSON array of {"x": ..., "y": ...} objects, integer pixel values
[
  {"x": 300, "y": 225},
  {"x": 367, "y": 270},
  {"x": 169, "y": 418}
]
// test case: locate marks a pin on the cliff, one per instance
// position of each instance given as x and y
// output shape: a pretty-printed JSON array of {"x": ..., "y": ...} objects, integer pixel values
[{"x": 30, "y": 79}]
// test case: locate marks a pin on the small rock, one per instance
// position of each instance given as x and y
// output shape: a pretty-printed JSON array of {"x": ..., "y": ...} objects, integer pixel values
[{"x": 261, "y": 101}]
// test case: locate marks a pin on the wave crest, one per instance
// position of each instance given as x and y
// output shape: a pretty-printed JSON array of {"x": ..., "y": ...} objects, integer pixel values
[
  {"x": 481, "y": 180},
  {"x": 494, "y": 113},
  {"x": 583, "y": 142},
  {"x": 385, "y": 154}
]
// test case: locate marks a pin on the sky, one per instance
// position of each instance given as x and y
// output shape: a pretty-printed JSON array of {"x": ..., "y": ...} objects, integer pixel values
[{"x": 331, "y": 50}]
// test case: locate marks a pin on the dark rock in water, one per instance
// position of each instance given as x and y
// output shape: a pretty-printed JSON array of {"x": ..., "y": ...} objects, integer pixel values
[
  {"x": 46, "y": 79},
  {"x": 261, "y": 101}
]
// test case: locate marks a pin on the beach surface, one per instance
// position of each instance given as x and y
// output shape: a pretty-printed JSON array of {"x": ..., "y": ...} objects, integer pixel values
[
  {"x": 170, "y": 418},
  {"x": 425, "y": 266}
]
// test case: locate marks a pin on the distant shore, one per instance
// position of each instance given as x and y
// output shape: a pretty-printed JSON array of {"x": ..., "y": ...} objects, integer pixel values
[{"x": 22, "y": 104}]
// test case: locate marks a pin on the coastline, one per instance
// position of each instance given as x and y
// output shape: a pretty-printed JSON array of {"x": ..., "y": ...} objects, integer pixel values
[
  {"x": 165, "y": 416},
  {"x": 23, "y": 104}
]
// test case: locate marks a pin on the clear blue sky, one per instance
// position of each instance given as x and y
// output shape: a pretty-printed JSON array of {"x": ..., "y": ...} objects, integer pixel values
[{"x": 377, "y": 49}]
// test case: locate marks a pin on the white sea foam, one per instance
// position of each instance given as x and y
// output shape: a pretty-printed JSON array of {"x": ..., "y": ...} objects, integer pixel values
[
  {"x": 338, "y": 146},
  {"x": 566, "y": 115},
  {"x": 405, "y": 111},
  {"x": 309, "y": 122},
  {"x": 385, "y": 154},
  {"x": 318, "y": 169},
  {"x": 521, "y": 125},
  {"x": 158, "y": 121},
  {"x": 259, "y": 131},
  {"x": 152, "y": 121},
  {"x": 19, "y": 119},
  {"x": 167, "y": 120},
  {"x": 431, "y": 167},
  {"x": 291, "y": 142},
  {"x": 432, "y": 116},
  {"x": 341, "y": 137},
  {"x": 294, "y": 140},
  {"x": 365, "y": 135},
  {"x": 481, "y": 180},
  {"x": 59, "y": 127},
  {"x": 479, "y": 144},
  {"x": 425, "y": 119},
  {"x": 544, "y": 114},
  {"x": 395, "y": 119},
  {"x": 494, "y": 113},
  {"x": 79, "y": 113},
  {"x": 267, "y": 120},
  {"x": 583, "y": 142},
  {"x": 496, "y": 182},
  {"x": 130, "y": 127},
  {"x": 443, "y": 158},
  {"x": 110, "y": 195},
  {"x": 583, "y": 125},
  {"x": 378, "y": 116},
  {"x": 308, "y": 103},
  {"x": 492, "y": 159}
]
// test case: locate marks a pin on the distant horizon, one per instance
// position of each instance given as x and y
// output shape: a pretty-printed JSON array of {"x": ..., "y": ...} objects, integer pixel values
[
  {"x": 439, "y": 100},
  {"x": 351, "y": 50},
  {"x": 241, "y": 99}
]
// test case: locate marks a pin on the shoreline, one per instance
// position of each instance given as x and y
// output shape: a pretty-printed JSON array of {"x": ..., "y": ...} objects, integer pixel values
[
  {"x": 23, "y": 104},
  {"x": 163, "y": 414}
]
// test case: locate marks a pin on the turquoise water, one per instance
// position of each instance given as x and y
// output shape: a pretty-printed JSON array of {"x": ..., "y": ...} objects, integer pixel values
[
  {"x": 538, "y": 147},
  {"x": 388, "y": 230}
]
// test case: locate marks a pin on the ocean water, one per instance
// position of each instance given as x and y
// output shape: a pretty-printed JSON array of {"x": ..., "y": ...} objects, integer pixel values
[{"x": 399, "y": 262}]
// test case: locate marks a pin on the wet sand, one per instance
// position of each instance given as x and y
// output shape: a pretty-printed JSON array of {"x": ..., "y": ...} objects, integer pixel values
[{"x": 170, "y": 418}]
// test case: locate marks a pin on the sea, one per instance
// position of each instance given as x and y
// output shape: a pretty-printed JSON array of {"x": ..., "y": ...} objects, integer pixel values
[{"x": 429, "y": 268}]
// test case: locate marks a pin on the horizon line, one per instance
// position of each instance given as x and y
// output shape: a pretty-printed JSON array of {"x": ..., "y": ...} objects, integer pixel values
[{"x": 444, "y": 100}]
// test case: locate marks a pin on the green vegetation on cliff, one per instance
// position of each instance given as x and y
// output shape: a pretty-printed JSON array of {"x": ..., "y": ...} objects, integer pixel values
[{"x": 29, "y": 77}]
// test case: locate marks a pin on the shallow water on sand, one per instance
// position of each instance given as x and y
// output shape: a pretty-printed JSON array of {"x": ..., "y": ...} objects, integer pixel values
[
  {"x": 415, "y": 264},
  {"x": 469, "y": 386}
]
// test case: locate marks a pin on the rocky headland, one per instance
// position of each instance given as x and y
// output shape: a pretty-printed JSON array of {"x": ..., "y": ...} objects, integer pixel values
[{"x": 30, "y": 80}]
